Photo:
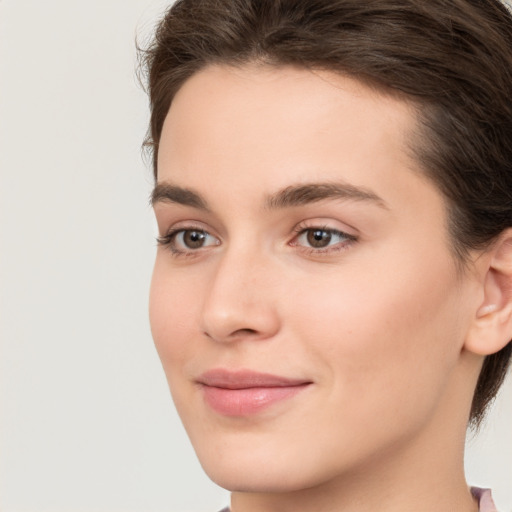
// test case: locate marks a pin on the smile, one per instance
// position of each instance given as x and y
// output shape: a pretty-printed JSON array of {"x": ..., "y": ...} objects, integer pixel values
[{"x": 244, "y": 393}]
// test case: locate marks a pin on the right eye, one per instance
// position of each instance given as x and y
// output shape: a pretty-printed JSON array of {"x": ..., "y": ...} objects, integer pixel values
[{"x": 182, "y": 241}]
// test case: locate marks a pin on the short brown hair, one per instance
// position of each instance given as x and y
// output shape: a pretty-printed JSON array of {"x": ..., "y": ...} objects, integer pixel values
[{"x": 452, "y": 58}]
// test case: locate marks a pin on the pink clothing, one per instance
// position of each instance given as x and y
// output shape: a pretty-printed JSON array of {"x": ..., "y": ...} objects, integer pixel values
[
  {"x": 486, "y": 504},
  {"x": 484, "y": 499}
]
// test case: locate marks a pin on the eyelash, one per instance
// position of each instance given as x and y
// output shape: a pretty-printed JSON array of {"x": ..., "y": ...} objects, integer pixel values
[
  {"x": 340, "y": 246},
  {"x": 168, "y": 240}
]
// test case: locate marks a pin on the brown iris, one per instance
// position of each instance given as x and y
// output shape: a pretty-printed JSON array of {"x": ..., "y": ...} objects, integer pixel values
[
  {"x": 194, "y": 239},
  {"x": 318, "y": 238}
]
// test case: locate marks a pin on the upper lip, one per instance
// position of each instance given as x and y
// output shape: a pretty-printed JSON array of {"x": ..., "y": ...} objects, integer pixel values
[{"x": 244, "y": 379}]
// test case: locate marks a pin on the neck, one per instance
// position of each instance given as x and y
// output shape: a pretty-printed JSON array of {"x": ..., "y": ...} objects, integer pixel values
[{"x": 388, "y": 486}]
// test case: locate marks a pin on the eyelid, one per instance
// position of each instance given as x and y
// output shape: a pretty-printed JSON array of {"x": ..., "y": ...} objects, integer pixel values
[
  {"x": 302, "y": 228},
  {"x": 326, "y": 225},
  {"x": 171, "y": 234},
  {"x": 168, "y": 239}
]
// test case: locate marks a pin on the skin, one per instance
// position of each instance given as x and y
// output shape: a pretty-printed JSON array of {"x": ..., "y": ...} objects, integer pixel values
[{"x": 377, "y": 321}]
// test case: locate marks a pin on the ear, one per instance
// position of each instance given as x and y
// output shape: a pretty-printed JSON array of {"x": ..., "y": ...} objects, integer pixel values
[{"x": 491, "y": 329}]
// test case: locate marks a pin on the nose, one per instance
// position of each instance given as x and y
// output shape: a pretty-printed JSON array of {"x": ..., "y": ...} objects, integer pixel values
[{"x": 241, "y": 302}]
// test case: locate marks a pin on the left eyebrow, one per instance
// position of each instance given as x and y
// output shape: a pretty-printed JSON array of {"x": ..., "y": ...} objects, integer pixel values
[{"x": 303, "y": 194}]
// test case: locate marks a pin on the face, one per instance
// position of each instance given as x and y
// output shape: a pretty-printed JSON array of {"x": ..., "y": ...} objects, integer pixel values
[{"x": 305, "y": 303}]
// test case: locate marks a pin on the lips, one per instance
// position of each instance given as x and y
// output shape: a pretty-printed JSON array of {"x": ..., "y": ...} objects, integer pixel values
[{"x": 243, "y": 393}]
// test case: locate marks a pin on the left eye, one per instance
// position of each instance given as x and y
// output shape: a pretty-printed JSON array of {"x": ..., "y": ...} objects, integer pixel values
[
  {"x": 187, "y": 239},
  {"x": 319, "y": 238}
]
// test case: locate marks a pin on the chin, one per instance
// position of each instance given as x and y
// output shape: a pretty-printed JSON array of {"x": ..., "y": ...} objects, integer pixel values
[
  {"x": 243, "y": 470},
  {"x": 259, "y": 478},
  {"x": 266, "y": 468}
]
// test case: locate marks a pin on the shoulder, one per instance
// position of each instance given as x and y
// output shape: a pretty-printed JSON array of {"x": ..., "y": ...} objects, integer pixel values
[
  {"x": 485, "y": 500},
  {"x": 484, "y": 497}
]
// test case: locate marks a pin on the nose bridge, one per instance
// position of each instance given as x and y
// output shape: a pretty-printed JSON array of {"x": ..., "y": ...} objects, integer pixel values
[{"x": 239, "y": 301}]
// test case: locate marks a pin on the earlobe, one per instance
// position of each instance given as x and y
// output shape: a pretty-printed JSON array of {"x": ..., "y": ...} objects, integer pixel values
[{"x": 492, "y": 326}]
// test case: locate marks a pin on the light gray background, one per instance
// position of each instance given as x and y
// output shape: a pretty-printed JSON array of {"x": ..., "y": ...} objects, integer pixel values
[{"x": 86, "y": 420}]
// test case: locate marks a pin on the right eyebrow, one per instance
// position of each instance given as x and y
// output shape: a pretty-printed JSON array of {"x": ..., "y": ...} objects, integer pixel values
[{"x": 168, "y": 193}]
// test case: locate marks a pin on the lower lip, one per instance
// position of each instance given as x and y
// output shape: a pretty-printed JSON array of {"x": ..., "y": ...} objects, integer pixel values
[{"x": 244, "y": 402}]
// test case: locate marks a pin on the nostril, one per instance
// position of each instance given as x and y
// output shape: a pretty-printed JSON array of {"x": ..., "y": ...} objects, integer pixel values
[
  {"x": 229, "y": 314},
  {"x": 237, "y": 334},
  {"x": 245, "y": 332}
]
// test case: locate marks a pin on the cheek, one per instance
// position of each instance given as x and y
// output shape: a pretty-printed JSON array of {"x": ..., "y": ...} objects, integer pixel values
[
  {"x": 382, "y": 330},
  {"x": 170, "y": 313}
]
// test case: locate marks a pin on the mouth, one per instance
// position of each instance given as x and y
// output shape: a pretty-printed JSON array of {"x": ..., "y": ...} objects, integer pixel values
[{"x": 245, "y": 392}]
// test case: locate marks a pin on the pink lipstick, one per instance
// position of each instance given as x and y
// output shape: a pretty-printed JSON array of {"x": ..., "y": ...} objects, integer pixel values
[{"x": 244, "y": 392}]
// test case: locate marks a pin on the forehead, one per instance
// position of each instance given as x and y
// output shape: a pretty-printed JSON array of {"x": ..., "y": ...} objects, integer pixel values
[{"x": 265, "y": 127}]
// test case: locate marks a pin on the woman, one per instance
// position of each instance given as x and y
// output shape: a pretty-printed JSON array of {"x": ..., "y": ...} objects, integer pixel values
[{"x": 332, "y": 293}]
